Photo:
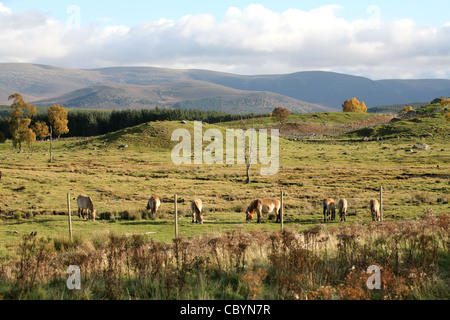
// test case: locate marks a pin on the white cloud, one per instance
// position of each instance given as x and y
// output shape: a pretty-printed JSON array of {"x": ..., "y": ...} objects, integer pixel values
[
  {"x": 252, "y": 40},
  {"x": 4, "y": 10}
]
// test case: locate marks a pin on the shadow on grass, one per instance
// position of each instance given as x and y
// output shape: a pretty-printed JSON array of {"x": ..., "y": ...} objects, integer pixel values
[{"x": 146, "y": 223}]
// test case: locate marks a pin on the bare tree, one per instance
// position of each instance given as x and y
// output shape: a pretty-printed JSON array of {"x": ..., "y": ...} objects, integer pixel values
[{"x": 249, "y": 151}]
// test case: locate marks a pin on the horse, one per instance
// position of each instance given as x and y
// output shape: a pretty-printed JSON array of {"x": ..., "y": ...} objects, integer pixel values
[
  {"x": 196, "y": 207},
  {"x": 343, "y": 206},
  {"x": 153, "y": 205},
  {"x": 375, "y": 210},
  {"x": 329, "y": 209},
  {"x": 263, "y": 206},
  {"x": 85, "y": 207}
]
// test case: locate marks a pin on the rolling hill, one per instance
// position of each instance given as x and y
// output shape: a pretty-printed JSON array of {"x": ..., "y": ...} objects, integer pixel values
[
  {"x": 146, "y": 87},
  {"x": 184, "y": 94}
]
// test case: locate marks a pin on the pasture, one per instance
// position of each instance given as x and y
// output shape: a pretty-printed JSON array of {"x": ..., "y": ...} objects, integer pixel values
[{"x": 120, "y": 171}]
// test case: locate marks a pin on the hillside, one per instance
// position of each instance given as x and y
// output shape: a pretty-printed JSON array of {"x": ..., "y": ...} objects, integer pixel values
[
  {"x": 182, "y": 94},
  {"x": 144, "y": 87},
  {"x": 429, "y": 122}
]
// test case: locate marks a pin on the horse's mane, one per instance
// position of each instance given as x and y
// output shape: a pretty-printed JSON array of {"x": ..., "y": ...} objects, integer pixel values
[{"x": 255, "y": 203}]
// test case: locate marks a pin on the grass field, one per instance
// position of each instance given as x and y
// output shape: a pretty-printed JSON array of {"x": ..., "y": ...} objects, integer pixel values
[{"x": 121, "y": 170}]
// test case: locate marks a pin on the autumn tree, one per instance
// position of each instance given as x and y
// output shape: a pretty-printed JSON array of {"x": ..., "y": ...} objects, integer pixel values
[
  {"x": 41, "y": 129},
  {"x": 30, "y": 138},
  {"x": 57, "y": 116},
  {"x": 407, "y": 109},
  {"x": 281, "y": 114},
  {"x": 354, "y": 105},
  {"x": 20, "y": 119},
  {"x": 445, "y": 103}
]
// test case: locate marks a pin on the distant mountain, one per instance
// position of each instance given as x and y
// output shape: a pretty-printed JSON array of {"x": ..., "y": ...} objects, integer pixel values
[
  {"x": 147, "y": 87},
  {"x": 332, "y": 89},
  {"x": 186, "y": 94}
]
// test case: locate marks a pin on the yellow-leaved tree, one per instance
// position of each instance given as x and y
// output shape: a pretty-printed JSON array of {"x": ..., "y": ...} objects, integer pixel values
[
  {"x": 407, "y": 109},
  {"x": 41, "y": 129},
  {"x": 57, "y": 116},
  {"x": 354, "y": 105},
  {"x": 30, "y": 138},
  {"x": 19, "y": 121},
  {"x": 445, "y": 103}
]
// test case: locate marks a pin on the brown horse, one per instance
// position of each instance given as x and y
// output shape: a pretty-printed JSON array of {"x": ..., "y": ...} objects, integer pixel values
[
  {"x": 375, "y": 210},
  {"x": 329, "y": 209},
  {"x": 153, "y": 205},
  {"x": 196, "y": 207},
  {"x": 85, "y": 207},
  {"x": 263, "y": 206},
  {"x": 343, "y": 206}
]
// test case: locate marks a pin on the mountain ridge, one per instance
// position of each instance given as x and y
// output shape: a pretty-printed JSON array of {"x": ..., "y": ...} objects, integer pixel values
[{"x": 137, "y": 87}]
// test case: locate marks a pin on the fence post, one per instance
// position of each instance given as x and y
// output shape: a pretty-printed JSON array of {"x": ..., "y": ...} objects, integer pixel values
[
  {"x": 176, "y": 216},
  {"x": 281, "y": 210},
  {"x": 70, "y": 216},
  {"x": 381, "y": 203}
]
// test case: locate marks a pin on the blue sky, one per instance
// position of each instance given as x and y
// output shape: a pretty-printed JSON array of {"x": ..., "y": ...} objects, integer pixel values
[
  {"x": 375, "y": 39},
  {"x": 132, "y": 12}
]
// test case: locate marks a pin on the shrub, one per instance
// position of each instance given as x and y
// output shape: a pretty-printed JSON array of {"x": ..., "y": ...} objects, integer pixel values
[
  {"x": 131, "y": 215},
  {"x": 106, "y": 216}
]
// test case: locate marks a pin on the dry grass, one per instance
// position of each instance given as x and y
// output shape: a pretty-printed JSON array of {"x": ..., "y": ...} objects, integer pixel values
[
  {"x": 219, "y": 260},
  {"x": 311, "y": 264}
]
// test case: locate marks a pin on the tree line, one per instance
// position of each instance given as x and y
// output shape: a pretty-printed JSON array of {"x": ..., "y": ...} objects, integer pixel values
[{"x": 88, "y": 123}]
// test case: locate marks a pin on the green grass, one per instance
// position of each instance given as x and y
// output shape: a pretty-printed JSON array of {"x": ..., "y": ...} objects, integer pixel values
[
  {"x": 122, "y": 179},
  {"x": 33, "y": 198},
  {"x": 326, "y": 118},
  {"x": 430, "y": 123}
]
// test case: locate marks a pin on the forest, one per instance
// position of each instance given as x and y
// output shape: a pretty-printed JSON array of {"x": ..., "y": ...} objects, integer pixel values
[{"x": 88, "y": 123}]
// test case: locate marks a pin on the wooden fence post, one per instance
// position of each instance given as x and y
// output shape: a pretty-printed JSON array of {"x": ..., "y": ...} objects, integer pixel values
[
  {"x": 70, "y": 216},
  {"x": 281, "y": 210},
  {"x": 381, "y": 203},
  {"x": 176, "y": 216}
]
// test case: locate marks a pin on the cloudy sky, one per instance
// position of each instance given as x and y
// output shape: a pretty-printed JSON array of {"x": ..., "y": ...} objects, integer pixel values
[{"x": 376, "y": 39}]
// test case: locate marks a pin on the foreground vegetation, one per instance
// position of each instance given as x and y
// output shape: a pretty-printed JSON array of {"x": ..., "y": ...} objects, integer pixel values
[
  {"x": 126, "y": 255},
  {"x": 312, "y": 264}
]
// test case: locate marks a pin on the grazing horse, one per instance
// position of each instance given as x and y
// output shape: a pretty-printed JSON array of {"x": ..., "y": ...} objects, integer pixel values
[
  {"x": 343, "y": 206},
  {"x": 375, "y": 210},
  {"x": 329, "y": 209},
  {"x": 263, "y": 206},
  {"x": 196, "y": 207},
  {"x": 85, "y": 207},
  {"x": 153, "y": 205}
]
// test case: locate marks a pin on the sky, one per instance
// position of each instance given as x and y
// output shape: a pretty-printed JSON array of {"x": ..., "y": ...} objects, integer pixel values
[{"x": 375, "y": 39}]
